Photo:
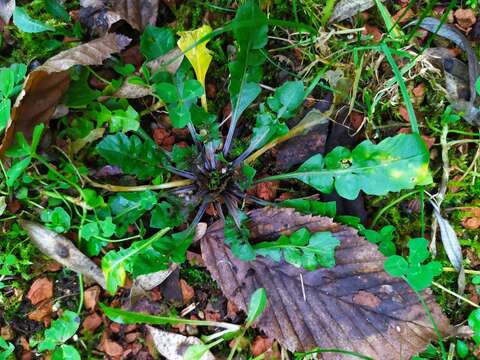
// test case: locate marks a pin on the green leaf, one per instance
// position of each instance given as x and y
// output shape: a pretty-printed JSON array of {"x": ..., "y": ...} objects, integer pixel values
[
  {"x": 418, "y": 277},
  {"x": 166, "y": 215},
  {"x": 57, "y": 10},
  {"x": 129, "y": 207},
  {"x": 66, "y": 352},
  {"x": 89, "y": 230},
  {"x": 183, "y": 157},
  {"x": 246, "y": 177},
  {"x": 237, "y": 238},
  {"x": 477, "y": 85},
  {"x": 396, "y": 266},
  {"x": 124, "y": 120},
  {"x": 179, "y": 99},
  {"x": 16, "y": 170},
  {"x": 462, "y": 349},
  {"x": 396, "y": 163},
  {"x": 286, "y": 99},
  {"x": 245, "y": 70},
  {"x": 57, "y": 219},
  {"x": 7, "y": 81},
  {"x": 80, "y": 94},
  {"x": 26, "y": 24},
  {"x": 167, "y": 92},
  {"x": 302, "y": 249},
  {"x": 383, "y": 239},
  {"x": 131, "y": 154},
  {"x": 196, "y": 352},
  {"x": 60, "y": 331},
  {"x": 314, "y": 207},
  {"x": 135, "y": 259},
  {"x": 156, "y": 42},
  {"x": 258, "y": 302},
  {"x": 6, "y": 349},
  {"x": 474, "y": 324},
  {"x": 5, "y": 107},
  {"x": 418, "y": 251},
  {"x": 267, "y": 127}
]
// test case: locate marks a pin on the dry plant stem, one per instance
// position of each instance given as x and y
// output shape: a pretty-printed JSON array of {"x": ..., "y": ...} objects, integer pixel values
[
  {"x": 460, "y": 297},
  {"x": 442, "y": 188},
  {"x": 451, "y": 269},
  {"x": 120, "y": 188}
]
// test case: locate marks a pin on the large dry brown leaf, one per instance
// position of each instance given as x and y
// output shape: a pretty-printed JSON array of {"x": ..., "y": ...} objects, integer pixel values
[
  {"x": 354, "y": 306},
  {"x": 45, "y": 86},
  {"x": 99, "y": 15}
]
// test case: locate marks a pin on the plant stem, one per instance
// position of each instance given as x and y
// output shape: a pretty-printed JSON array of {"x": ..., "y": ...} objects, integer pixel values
[
  {"x": 80, "y": 300},
  {"x": 120, "y": 188},
  {"x": 458, "y": 296}
]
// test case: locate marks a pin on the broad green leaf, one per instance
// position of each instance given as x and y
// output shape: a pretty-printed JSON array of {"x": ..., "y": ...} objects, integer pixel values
[
  {"x": 26, "y": 24},
  {"x": 179, "y": 98},
  {"x": 257, "y": 304},
  {"x": 267, "y": 127},
  {"x": 183, "y": 157},
  {"x": 418, "y": 251},
  {"x": 7, "y": 81},
  {"x": 131, "y": 154},
  {"x": 237, "y": 239},
  {"x": 66, "y": 352},
  {"x": 156, "y": 42},
  {"x": 314, "y": 207},
  {"x": 6, "y": 349},
  {"x": 474, "y": 324},
  {"x": 396, "y": 163},
  {"x": 196, "y": 352},
  {"x": 166, "y": 215},
  {"x": 287, "y": 98},
  {"x": 199, "y": 56},
  {"x": 129, "y": 207},
  {"x": 5, "y": 106},
  {"x": 477, "y": 85},
  {"x": 57, "y": 219},
  {"x": 302, "y": 249},
  {"x": 396, "y": 266},
  {"x": 113, "y": 267},
  {"x": 124, "y": 120},
  {"x": 16, "y": 170},
  {"x": 462, "y": 349},
  {"x": 382, "y": 238},
  {"x": 57, "y": 10},
  {"x": 89, "y": 230},
  {"x": 246, "y": 177},
  {"x": 167, "y": 92},
  {"x": 141, "y": 257},
  {"x": 60, "y": 331},
  {"x": 245, "y": 70}
]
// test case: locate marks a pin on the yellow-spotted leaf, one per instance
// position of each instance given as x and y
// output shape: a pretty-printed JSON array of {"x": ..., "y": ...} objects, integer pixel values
[{"x": 199, "y": 56}]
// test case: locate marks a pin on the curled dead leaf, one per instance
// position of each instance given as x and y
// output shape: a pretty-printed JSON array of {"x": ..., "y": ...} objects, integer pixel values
[
  {"x": 45, "y": 86},
  {"x": 41, "y": 289},
  {"x": 353, "y": 306},
  {"x": 63, "y": 251}
]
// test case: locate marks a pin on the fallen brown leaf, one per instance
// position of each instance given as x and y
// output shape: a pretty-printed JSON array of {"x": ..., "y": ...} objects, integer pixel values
[
  {"x": 465, "y": 18},
  {"x": 91, "y": 296},
  {"x": 41, "y": 312},
  {"x": 41, "y": 289},
  {"x": 172, "y": 346},
  {"x": 260, "y": 345},
  {"x": 112, "y": 348},
  {"x": 327, "y": 308},
  {"x": 45, "y": 85},
  {"x": 6, "y": 333},
  {"x": 187, "y": 291},
  {"x": 91, "y": 323}
]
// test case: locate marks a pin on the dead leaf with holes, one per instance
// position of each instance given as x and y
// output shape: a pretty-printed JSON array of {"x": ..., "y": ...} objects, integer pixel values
[
  {"x": 353, "y": 306},
  {"x": 45, "y": 86}
]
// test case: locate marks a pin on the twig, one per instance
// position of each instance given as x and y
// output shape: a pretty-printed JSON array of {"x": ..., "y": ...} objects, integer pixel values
[{"x": 460, "y": 297}]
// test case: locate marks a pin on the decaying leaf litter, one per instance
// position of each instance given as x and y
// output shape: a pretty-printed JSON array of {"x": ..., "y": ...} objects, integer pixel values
[{"x": 199, "y": 169}]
